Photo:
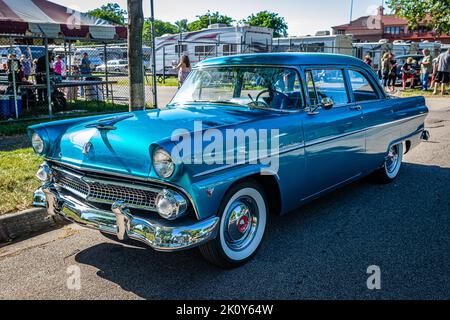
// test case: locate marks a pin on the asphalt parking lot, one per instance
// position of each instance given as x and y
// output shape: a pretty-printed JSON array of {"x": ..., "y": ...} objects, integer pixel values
[{"x": 321, "y": 252}]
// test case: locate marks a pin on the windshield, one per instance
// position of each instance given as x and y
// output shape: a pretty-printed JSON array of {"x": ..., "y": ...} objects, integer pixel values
[{"x": 262, "y": 87}]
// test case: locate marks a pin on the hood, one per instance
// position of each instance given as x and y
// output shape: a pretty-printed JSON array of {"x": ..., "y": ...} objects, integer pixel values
[{"x": 124, "y": 146}]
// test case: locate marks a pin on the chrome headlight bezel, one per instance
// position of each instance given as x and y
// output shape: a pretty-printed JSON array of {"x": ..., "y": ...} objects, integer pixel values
[
  {"x": 37, "y": 143},
  {"x": 163, "y": 163},
  {"x": 170, "y": 204}
]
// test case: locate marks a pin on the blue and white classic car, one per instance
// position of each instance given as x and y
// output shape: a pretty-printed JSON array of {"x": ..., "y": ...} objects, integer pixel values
[{"x": 245, "y": 136}]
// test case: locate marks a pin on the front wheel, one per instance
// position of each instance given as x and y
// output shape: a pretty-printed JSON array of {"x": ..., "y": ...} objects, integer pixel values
[
  {"x": 392, "y": 163},
  {"x": 243, "y": 217}
]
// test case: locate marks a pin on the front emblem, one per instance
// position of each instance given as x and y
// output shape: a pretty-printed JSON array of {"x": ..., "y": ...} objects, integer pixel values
[{"x": 86, "y": 148}]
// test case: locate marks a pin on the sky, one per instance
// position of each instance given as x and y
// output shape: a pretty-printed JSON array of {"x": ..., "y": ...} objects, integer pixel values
[{"x": 302, "y": 16}]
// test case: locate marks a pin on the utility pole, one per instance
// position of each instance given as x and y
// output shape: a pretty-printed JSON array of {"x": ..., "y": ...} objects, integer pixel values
[
  {"x": 152, "y": 20},
  {"x": 351, "y": 11},
  {"x": 135, "y": 55}
]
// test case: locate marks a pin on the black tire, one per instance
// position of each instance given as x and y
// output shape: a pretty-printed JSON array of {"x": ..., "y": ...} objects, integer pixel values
[
  {"x": 249, "y": 197},
  {"x": 390, "y": 169}
]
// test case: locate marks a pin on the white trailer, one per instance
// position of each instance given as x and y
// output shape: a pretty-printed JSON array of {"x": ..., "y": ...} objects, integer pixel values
[
  {"x": 341, "y": 44},
  {"x": 217, "y": 40},
  {"x": 373, "y": 49}
]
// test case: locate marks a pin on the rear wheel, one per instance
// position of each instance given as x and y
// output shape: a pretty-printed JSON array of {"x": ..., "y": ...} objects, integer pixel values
[
  {"x": 392, "y": 163},
  {"x": 243, "y": 217}
]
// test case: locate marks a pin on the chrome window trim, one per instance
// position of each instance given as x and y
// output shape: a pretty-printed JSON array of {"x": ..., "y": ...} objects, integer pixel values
[
  {"x": 380, "y": 94},
  {"x": 300, "y": 107}
]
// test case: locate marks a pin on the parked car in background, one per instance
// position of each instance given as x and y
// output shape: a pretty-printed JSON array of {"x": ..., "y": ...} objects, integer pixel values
[
  {"x": 114, "y": 65},
  {"x": 144, "y": 175}
]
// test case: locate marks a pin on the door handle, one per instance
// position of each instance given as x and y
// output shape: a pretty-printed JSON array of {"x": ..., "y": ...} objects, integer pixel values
[{"x": 356, "y": 108}]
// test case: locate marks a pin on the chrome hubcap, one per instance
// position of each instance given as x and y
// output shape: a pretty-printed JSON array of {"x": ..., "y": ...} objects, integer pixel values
[
  {"x": 241, "y": 223},
  {"x": 392, "y": 159}
]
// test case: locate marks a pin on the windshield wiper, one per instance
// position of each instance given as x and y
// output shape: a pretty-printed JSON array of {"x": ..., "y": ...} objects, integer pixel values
[{"x": 227, "y": 102}]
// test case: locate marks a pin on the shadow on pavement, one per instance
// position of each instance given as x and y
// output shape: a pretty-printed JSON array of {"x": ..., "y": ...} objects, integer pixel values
[{"x": 321, "y": 251}]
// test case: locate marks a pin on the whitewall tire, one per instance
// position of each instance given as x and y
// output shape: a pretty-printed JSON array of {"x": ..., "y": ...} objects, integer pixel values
[
  {"x": 392, "y": 164},
  {"x": 243, "y": 219}
]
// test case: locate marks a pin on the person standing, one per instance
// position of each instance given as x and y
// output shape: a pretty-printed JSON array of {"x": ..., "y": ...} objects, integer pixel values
[
  {"x": 26, "y": 66},
  {"x": 85, "y": 70},
  {"x": 433, "y": 76},
  {"x": 60, "y": 68},
  {"x": 385, "y": 69},
  {"x": 426, "y": 68},
  {"x": 443, "y": 72},
  {"x": 408, "y": 72},
  {"x": 41, "y": 74},
  {"x": 392, "y": 72},
  {"x": 184, "y": 68}
]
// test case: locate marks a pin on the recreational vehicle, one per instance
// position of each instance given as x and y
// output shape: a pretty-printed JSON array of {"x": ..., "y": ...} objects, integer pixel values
[
  {"x": 217, "y": 40},
  {"x": 341, "y": 44}
]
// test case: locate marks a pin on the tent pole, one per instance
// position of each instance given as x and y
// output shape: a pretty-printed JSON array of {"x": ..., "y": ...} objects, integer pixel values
[
  {"x": 13, "y": 73},
  {"x": 47, "y": 71},
  {"x": 105, "y": 60}
]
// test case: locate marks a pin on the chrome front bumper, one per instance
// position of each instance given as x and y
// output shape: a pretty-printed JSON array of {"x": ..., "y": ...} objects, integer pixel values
[{"x": 158, "y": 234}]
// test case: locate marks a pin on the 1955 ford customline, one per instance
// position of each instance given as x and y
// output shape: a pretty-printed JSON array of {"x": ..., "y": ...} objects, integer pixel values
[{"x": 246, "y": 135}]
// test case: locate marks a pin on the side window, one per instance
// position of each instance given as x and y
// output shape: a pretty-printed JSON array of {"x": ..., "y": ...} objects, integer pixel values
[
  {"x": 363, "y": 90},
  {"x": 329, "y": 83}
]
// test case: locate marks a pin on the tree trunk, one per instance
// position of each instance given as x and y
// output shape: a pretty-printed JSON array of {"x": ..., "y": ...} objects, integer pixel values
[{"x": 135, "y": 58}]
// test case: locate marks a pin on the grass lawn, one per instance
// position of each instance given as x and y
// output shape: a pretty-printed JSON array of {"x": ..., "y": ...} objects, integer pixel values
[
  {"x": 169, "y": 82},
  {"x": 419, "y": 92},
  {"x": 17, "y": 179},
  {"x": 8, "y": 128}
]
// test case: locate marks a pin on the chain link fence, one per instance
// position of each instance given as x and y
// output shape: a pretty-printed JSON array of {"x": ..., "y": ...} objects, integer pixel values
[{"x": 87, "y": 77}]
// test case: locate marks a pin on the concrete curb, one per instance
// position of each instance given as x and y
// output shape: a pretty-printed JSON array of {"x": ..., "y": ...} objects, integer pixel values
[{"x": 23, "y": 223}]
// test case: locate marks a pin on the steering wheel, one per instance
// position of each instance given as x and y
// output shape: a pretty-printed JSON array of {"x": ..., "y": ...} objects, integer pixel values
[{"x": 269, "y": 91}]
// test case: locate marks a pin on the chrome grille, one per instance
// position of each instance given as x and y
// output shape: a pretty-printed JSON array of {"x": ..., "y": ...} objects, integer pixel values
[{"x": 102, "y": 191}]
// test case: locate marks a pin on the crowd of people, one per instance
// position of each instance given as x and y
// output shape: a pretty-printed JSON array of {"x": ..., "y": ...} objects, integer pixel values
[
  {"x": 434, "y": 73},
  {"x": 25, "y": 72}
]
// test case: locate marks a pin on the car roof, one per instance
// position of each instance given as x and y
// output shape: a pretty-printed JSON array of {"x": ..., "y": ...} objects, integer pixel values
[{"x": 284, "y": 59}]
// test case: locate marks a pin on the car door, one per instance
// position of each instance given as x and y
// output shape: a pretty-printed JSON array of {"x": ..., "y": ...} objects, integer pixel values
[
  {"x": 334, "y": 138},
  {"x": 377, "y": 111}
]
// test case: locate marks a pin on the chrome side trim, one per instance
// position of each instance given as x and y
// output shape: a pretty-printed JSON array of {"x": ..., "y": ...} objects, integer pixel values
[
  {"x": 323, "y": 140},
  {"x": 291, "y": 148},
  {"x": 397, "y": 121}
]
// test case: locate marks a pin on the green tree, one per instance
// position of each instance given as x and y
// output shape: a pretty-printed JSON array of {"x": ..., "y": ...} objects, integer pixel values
[
  {"x": 182, "y": 25},
  {"x": 111, "y": 12},
  {"x": 203, "y": 21},
  {"x": 435, "y": 12},
  {"x": 161, "y": 28},
  {"x": 269, "y": 20}
]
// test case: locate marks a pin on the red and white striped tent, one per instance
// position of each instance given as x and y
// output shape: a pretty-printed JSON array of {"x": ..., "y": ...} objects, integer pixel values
[{"x": 47, "y": 19}]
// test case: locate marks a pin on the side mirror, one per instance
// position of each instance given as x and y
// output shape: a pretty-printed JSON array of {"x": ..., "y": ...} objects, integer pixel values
[{"x": 327, "y": 103}]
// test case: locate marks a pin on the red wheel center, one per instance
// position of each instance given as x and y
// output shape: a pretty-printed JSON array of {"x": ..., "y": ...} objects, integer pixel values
[{"x": 242, "y": 224}]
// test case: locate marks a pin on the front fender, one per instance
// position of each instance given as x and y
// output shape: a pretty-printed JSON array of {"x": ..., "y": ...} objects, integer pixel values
[{"x": 208, "y": 192}]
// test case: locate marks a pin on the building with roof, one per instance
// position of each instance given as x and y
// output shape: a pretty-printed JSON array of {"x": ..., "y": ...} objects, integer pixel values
[{"x": 387, "y": 26}]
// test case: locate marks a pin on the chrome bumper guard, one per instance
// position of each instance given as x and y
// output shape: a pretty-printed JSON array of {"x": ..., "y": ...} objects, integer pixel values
[{"x": 160, "y": 235}]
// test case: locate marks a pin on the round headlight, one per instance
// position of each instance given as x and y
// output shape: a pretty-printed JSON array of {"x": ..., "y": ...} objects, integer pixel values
[
  {"x": 170, "y": 204},
  {"x": 37, "y": 143},
  {"x": 163, "y": 163}
]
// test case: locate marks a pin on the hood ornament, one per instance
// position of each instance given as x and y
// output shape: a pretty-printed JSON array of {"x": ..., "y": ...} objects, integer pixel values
[
  {"x": 108, "y": 124},
  {"x": 86, "y": 148}
]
